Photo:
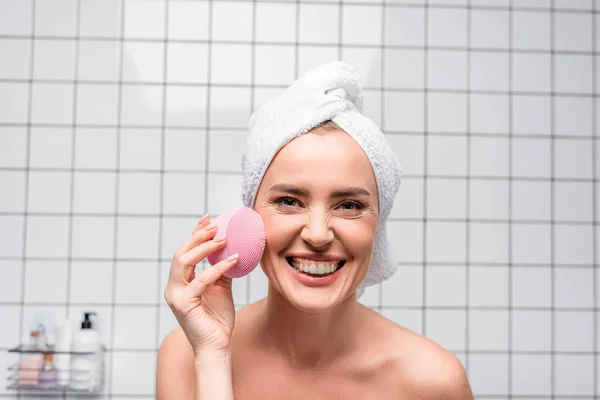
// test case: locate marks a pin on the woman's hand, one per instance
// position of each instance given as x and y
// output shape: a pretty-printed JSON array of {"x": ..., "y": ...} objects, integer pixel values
[{"x": 202, "y": 304}]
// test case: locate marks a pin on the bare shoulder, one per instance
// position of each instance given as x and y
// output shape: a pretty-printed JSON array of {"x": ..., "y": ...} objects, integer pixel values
[
  {"x": 175, "y": 376},
  {"x": 427, "y": 369}
]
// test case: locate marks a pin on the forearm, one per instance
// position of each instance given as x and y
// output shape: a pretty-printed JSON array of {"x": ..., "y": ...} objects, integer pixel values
[{"x": 213, "y": 376}]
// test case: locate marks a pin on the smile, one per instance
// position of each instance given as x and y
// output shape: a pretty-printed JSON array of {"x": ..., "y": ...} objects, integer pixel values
[{"x": 315, "y": 268}]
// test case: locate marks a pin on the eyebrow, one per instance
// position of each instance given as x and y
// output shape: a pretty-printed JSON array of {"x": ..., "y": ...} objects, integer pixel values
[{"x": 299, "y": 191}]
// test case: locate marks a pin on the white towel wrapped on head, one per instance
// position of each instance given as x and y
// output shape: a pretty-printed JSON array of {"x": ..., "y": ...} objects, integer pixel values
[{"x": 332, "y": 91}]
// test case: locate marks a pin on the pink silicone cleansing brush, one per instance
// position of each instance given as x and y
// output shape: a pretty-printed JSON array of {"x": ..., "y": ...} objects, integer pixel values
[{"x": 245, "y": 235}]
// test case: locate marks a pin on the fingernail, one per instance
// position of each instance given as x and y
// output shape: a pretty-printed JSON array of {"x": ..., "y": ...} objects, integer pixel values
[
  {"x": 233, "y": 257},
  {"x": 219, "y": 240},
  {"x": 204, "y": 218}
]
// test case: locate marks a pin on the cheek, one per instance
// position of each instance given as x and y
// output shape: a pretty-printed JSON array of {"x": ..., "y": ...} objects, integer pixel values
[
  {"x": 357, "y": 236},
  {"x": 280, "y": 230}
]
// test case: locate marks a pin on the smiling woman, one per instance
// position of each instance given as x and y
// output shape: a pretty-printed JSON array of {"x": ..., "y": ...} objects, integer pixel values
[{"x": 322, "y": 178}]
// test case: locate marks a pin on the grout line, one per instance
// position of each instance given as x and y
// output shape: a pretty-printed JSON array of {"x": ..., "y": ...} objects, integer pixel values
[
  {"x": 425, "y": 164},
  {"x": 510, "y": 202},
  {"x": 595, "y": 200},
  {"x": 552, "y": 206},
  {"x": 468, "y": 191}
]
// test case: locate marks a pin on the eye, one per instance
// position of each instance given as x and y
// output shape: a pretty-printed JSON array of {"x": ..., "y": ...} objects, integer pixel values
[
  {"x": 351, "y": 206},
  {"x": 287, "y": 201}
]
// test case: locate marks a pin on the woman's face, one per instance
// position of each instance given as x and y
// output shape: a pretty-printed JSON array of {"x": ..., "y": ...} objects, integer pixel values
[{"x": 319, "y": 203}]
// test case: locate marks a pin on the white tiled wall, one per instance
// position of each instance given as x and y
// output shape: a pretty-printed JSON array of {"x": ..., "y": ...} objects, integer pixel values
[{"x": 123, "y": 121}]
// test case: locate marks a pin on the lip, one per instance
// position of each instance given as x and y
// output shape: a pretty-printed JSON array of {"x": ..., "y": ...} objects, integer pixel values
[{"x": 316, "y": 257}]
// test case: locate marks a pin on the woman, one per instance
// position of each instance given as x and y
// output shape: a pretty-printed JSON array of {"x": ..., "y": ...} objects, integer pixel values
[{"x": 323, "y": 179}]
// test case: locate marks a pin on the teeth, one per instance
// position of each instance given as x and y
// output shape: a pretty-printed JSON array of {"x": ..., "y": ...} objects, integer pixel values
[{"x": 310, "y": 267}]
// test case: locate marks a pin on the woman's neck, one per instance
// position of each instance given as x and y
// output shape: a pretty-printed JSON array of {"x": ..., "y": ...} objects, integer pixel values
[{"x": 311, "y": 340}]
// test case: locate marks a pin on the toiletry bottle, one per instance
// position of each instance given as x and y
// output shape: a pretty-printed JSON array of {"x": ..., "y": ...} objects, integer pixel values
[
  {"x": 33, "y": 359},
  {"x": 62, "y": 358},
  {"x": 48, "y": 376},
  {"x": 86, "y": 359}
]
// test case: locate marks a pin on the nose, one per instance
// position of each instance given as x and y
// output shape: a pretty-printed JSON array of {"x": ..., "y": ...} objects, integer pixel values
[{"x": 317, "y": 232}]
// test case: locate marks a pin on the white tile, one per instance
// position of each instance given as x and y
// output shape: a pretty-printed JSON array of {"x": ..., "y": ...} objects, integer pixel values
[
  {"x": 573, "y": 244},
  {"x": 488, "y": 286},
  {"x": 275, "y": 22},
  {"x": 134, "y": 373},
  {"x": 531, "y": 374},
  {"x": 232, "y": 21},
  {"x": 11, "y": 278},
  {"x": 140, "y": 149},
  {"x": 446, "y": 155},
  {"x": 488, "y": 242},
  {"x": 488, "y": 374},
  {"x": 144, "y": 19},
  {"x": 17, "y": 66},
  {"x": 361, "y": 25},
  {"x": 573, "y": 116},
  {"x": 187, "y": 62},
  {"x": 55, "y": 17},
  {"x": 183, "y": 194},
  {"x": 16, "y": 17},
  {"x": 573, "y": 73},
  {"x": 410, "y": 151},
  {"x": 97, "y": 104},
  {"x": 573, "y": 158},
  {"x": 531, "y": 244},
  {"x": 404, "y": 111},
  {"x": 405, "y": 26},
  {"x": 139, "y": 193},
  {"x": 409, "y": 319},
  {"x": 175, "y": 231},
  {"x": 531, "y": 114},
  {"x": 13, "y": 145},
  {"x": 49, "y": 191},
  {"x": 574, "y": 287},
  {"x": 11, "y": 235},
  {"x": 573, "y": 201},
  {"x": 188, "y": 20},
  {"x": 370, "y": 296},
  {"x": 531, "y": 200},
  {"x": 446, "y": 328},
  {"x": 94, "y": 192},
  {"x": 573, "y": 32},
  {"x": 404, "y": 69},
  {"x": 267, "y": 72},
  {"x": 489, "y": 29},
  {"x": 143, "y": 61},
  {"x": 409, "y": 199},
  {"x": 372, "y": 100},
  {"x": 100, "y": 18},
  {"x": 223, "y": 193},
  {"x": 12, "y": 185},
  {"x": 50, "y": 147},
  {"x": 54, "y": 59},
  {"x": 574, "y": 375},
  {"x": 445, "y": 286},
  {"x": 447, "y": 69},
  {"x": 531, "y": 287},
  {"x": 141, "y": 105},
  {"x": 229, "y": 107},
  {"x": 92, "y": 282},
  {"x": 135, "y": 328},
  {"x": 136, "y": 282},
  {"x": 447, "y": 27},
  {"x": 226, "y": 150},
  {"x": 531, "y": 158},
  {"x": 14, "y": 100},
  {"x": 231, "y": 64},
  {"x": 185, "y": 150},
  {"x": 311, "y": 56},
  {"x": 447, "y": 112},
  {"x": 319, "y": 23},
  {"x": 446, "y": 198},
  {"x": 407, "y": 240},
  {"x": 186, "y": 106},
  {"x": 137, "y": 237},
  {"x": 404, "y": 288},
  {"x": 259, "y": 285},
  {"x": 489, "y": 156},
  {"x": 9, "y": 336},
  {"x": 574, "y": 331},
  {"x": 46, "y": 281},
  {"x": 531, "y": 330},
  {"x": 93, "y": 237},
  {"x": 166, "y": 322},
  {"x": 489, "y": 199},
  {"x": 573, "y": 5},
  {"x": 497, "y": 3},
  {"x": 52, "y": 103},
  {"x": 489, "y": 71},
  {"x": 488, "y": 330},
  {"x": 531, "y": 30},
  {"x": 531, "y": 72},
  {"x": 96, "y": 148},
  {"x": 446, "y": 242}
]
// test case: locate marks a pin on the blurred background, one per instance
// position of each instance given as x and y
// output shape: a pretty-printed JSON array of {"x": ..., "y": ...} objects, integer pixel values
[{"x": 123, "y": 121}]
